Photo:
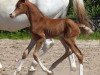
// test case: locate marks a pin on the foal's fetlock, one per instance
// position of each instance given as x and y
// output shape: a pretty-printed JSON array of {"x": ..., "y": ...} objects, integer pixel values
[{"x": 80, "y": 59}]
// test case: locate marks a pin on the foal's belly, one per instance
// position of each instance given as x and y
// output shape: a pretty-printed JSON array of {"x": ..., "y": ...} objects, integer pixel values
[
  {"x": 53, "y": 35},
  {"x": 54, "y": 31}
]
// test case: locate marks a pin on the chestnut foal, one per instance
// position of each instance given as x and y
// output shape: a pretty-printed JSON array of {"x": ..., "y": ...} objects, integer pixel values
[{"x": 42, "y": 28}]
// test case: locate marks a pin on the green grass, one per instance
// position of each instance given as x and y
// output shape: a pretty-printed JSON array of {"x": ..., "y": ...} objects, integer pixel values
[
  {"x": 94, "y": 36},
  {"x": 24, "y": 34},
  {"x": 15, "y": 35}
]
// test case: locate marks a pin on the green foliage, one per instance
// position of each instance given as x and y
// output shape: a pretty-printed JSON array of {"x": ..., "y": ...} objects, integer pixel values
[
  {"x": 25, "y": 34},
  {"x": 94, "y": 36},
  {"x": 92, "y": 7},
  {"x": 22, "y": 34},
  {"x": 70, "y": 12}
]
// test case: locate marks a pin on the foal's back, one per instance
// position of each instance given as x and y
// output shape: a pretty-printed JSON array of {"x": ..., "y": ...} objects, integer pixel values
[{"x": 56, "y": 27}]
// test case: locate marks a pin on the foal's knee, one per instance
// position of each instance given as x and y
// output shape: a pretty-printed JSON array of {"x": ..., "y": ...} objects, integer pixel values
[{"x": 25, "y": 54}]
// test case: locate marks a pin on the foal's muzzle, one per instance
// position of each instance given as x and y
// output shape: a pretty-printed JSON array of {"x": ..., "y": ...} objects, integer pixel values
[{"x": 12, "y": 15}]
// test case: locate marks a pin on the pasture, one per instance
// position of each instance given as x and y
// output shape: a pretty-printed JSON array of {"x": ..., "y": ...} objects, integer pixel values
[
  {"x": 11, "y": 51},
  {"x": 25, "y": 34}
]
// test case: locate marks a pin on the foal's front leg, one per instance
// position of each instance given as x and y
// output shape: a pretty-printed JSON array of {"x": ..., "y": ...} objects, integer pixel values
[
  {"x": 25, "y": 54},
  {"x": 35, "y": 55}
]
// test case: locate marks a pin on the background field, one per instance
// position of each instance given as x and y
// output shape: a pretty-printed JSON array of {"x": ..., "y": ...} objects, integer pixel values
[{"x": 11, "y": 51}]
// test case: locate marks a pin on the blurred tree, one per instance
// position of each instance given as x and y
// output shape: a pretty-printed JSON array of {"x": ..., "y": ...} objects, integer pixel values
[{"x": 92, "y": 7}]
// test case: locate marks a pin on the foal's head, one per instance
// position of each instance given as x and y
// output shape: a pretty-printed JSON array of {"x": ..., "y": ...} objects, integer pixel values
[{"x": 21, "y": 8}]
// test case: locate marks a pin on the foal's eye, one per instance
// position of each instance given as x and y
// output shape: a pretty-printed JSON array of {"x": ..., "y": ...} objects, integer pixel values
[{"x": 19, "y": 6}]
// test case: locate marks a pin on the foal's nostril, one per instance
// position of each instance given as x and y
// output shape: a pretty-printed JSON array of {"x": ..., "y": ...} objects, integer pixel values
[{"x": 11, "y": 15}]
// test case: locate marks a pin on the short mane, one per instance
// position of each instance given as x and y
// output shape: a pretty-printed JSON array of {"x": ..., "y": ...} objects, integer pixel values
[{"x": 33, "y": 6}]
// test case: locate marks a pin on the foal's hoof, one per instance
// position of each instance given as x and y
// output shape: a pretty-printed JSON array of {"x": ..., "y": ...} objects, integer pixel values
[
  {"x": 52, "y": 73},
  {"x": 16, "y": 71},
  {"x": 32, "y": 70},
  {"x": 73, "y": 68}
]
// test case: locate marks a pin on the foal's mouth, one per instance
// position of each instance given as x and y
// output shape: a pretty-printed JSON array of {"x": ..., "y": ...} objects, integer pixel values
[{"x": 12, "y": 15}]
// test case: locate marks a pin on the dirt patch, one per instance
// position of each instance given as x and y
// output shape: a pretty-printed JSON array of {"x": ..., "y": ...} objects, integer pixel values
[{"x": 12, "y": 50}]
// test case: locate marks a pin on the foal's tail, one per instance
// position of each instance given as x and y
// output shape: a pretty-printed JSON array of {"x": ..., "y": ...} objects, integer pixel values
[
  {"x": 81, "y": 13},
  {"x": 85, "y": 29}
]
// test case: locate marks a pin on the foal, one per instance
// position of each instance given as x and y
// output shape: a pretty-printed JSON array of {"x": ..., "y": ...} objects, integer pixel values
[{"x": 42, "y": 28}]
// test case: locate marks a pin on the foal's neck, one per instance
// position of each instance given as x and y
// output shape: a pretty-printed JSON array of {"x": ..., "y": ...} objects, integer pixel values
[{"x": 33, "y": 14}]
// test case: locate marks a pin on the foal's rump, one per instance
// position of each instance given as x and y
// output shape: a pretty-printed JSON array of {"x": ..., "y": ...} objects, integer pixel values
[
  {"x": 77, "y": 27},
  {"x": 73, "y": 28}
]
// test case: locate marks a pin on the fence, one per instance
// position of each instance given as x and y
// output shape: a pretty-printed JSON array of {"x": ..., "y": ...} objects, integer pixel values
[{"x": 96, "y": 21}]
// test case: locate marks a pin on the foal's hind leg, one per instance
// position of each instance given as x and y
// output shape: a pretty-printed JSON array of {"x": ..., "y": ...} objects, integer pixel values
[
  {"x": 74, "y": 48},
  {"x": 81, "y": 65},
  {"x": 25, "y": 54},
  {"x": 71, "y": 56},
  {"x": 66, "y": 54},
  {"x": 35, "y": 55}
]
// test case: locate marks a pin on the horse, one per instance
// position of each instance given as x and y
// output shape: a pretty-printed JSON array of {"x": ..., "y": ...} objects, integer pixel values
[
  {"x": 6, "y": 6},
  {"x": 7, "y": 24},
  {"x": 43, "y": 27},
  {"x": 12, "y": 25},
  {"x": 58, "y": 7}
]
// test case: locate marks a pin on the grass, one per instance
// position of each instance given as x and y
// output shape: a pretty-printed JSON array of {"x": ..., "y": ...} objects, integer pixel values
[
  {"x": 94, "y": 36},
  {"x": 24, "y": 34}
]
